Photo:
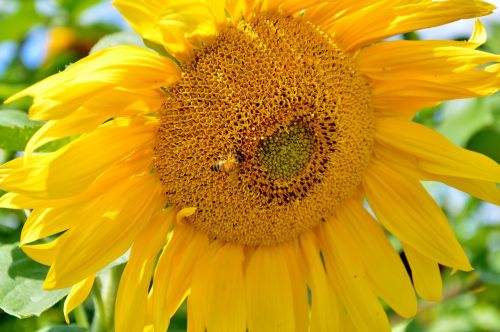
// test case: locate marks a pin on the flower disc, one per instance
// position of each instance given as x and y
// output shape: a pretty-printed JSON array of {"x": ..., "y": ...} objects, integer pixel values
[{"x": 268, "y": 131}]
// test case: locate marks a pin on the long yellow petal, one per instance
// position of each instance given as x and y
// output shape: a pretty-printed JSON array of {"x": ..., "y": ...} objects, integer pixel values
[
  {"x": 173, "y": 273},
  {"x": 222, "y": 305},
  {"x": 439, "y": 70},
  {"x": 132, "y": 294},
  {"x": 66, "y": 173},
  {"x": 135, "y": 164},
  {"x": 384, "y": 268},
  {"x": 403, "y": 98},
  {"x": 405, "y": 208},
  {"x": 324, "y": 306},
  {"x": 78, "y": 293},
  {"x": 269, "y": 291},
  {"x": 106, "y": 232},
  {"x": 45, "y": 222},
  {"x": 388, "y": 18},
  {"x": 424, "y": 59},
  {"x": 95, "y": 78},
  {"x": 484, "y": 190},
  {"x": 425, "y": 274},
  {"x": 435, "y": 154},
  {"x": 86, "y": 119},
  {"x": 347, "y": 276},
  {"x": 296, "y": 263}
]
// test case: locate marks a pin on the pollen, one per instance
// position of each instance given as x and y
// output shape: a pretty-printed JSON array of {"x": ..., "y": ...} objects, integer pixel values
[{"x": 267, "y": 133}]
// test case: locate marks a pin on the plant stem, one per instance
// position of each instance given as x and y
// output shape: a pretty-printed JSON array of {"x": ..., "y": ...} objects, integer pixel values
[
  {"x": 81, "y": 317},
  {"x": 104, "y": 291},
  {"x": 99, "y": 322}
]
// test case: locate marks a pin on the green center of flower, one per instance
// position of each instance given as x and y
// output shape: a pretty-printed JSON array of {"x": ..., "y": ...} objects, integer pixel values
[{"x": 285, "y": 153}]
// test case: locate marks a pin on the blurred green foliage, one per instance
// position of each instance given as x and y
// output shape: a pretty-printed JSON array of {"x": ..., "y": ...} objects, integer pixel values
[{"x": 471, "y": 299}]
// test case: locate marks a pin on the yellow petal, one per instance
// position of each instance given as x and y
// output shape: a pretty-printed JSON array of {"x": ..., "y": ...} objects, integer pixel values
[
  {"x": 269, "y": 291},
  {"x": 439, "y": 70},
  {"x": 388, "y": 18},
  {"x": 434, "y": 152},
  {"x": 222, "y": 305},
  {"x": 95, "y": 78},
  {"x": 405, "y": 209},
  {"x": 483, "y": 190},
  {"x": 45, "y": 222},
  {"x": 345, "y": 322},
  {"x": 296, "y": 263},
  {"x": 69, "y": 173},
  {"x": 131, "y": 300},
  {"x": 325, "y": 14},
  {"x": 106, "y": 231},
  {"x": 44, "y": 253},
  {"x": 93, "y": 113},
  {"x": 425, "y": 274},
  {"x": 291, "y": 7},
  {"x": 183, "y": 213},
  {"x": 79, "y": 292},
  {"x": 172, "y": 276},
  {"x": 349, "y": 280},
  {"x": 324, "y": 306},
  {"x": 423, "y": 59},
  {"x": 66, "y": 173},
  {"x": 384, "y": 267},
  {"x": 135, "y": 164},
  {"x": 406, "y": 97},
  {"x": 178, "y": 25},
  {"x": 478, "y": 36},
  {"x": 195, "y": 322},
  {"x": 28, "y": 179}
]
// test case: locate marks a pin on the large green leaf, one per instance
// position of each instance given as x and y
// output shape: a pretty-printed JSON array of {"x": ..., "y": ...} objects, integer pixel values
[
  {"x": 21, "y": 280},
  {"x": 16, "y": 129}
]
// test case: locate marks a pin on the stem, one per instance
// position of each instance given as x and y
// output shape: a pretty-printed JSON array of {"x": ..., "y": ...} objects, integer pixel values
[
  {"x": 109, "y": 293},
  {"x": 104, "y": 291},
  {"x": 99, "y": 321},
  {"x": 81, "y": 317}
]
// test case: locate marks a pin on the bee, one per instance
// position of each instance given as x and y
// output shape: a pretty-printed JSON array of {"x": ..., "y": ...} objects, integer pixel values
[{"x": 228, "y": 165}]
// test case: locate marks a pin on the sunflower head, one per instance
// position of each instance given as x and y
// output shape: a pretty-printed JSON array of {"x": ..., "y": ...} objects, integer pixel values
[{"x": 294, "y": 111}]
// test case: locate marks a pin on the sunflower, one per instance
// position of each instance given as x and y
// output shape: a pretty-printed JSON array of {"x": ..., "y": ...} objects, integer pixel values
[{"x": 234, "y": 162}]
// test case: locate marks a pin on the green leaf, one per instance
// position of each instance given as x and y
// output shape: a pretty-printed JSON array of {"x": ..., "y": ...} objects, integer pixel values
[
  {"x": 486, "y": 141},
  {"x": 63, "y": 328},
  {"x": 16, "y": 129},
  {"x": 116, "y": 39},
  {"x": 21, "y": 280}
]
